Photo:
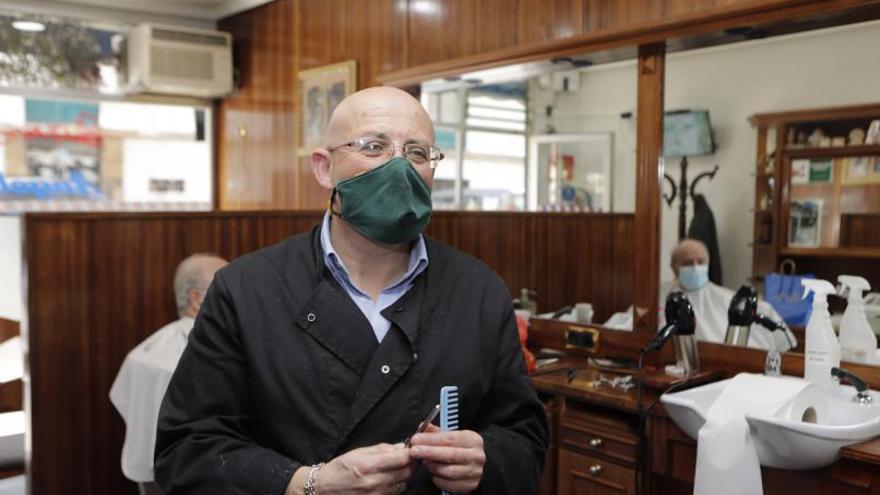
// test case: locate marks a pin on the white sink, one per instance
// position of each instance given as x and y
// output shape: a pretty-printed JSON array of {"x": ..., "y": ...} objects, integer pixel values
[
  {"x": 791, "y": 444},
  {"x": 690, "y": 408},
  {"x": 781, "y": 442}
]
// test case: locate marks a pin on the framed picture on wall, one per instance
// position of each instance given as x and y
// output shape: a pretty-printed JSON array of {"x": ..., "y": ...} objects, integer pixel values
[
  {"x": 321, "y": 89},
  {"x": 800, "y": 171},
  {"x": 805, "y": 222},
  {"x": 861, "y": 170}
]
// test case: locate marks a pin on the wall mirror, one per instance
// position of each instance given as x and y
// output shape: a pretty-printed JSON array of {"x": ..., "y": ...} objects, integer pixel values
[
  {"x": 553, "y": 136},
  {"x": 790, "y": 178},
  {"x": 550, "y": 135}
]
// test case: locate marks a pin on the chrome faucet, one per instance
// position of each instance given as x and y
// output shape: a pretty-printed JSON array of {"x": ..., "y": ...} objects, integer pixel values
[{"x": 863, "y": 395}]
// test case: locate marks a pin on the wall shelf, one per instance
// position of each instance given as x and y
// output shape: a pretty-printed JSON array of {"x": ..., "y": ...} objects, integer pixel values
[
  {"x": 832, "y": 152},
  {"x": 844, "y": 252},
  {"x": 843, "y": 223}
]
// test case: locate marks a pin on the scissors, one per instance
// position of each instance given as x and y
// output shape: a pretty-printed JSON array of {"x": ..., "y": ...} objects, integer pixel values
[{"x": 424, "y": 424}]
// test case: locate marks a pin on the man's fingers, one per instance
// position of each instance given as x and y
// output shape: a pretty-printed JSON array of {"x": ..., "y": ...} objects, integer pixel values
[
  {"x": 453, "y": 472},
  {"x": 448, "y": 455},
  {"x": 385, "y": 481},
  {"x": 458, "y": 438},
  {"x": 383, "y": 458}
]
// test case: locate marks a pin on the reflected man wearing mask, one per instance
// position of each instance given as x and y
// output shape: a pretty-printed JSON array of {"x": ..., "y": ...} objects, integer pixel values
[
  {"x": 313, "y": 360},
  {"x": 690, "y": 263}
]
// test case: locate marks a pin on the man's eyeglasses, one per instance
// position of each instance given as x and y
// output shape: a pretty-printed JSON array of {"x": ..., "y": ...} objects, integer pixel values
[{"x": 375, "y": 147}]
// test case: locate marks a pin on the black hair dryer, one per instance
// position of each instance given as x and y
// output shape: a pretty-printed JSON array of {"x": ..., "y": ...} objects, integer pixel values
[
  {"x": 743, "y": 311},
  {"x": 680, "y": 326}
]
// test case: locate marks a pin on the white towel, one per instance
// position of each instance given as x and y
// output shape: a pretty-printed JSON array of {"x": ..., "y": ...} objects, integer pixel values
[{"x": 727, "y": 462}]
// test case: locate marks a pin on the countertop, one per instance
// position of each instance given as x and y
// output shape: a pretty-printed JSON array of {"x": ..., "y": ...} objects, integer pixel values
[{"x": 584, "y": 383}]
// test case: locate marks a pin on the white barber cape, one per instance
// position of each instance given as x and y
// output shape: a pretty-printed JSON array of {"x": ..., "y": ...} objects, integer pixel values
[
  {"x": 138, "y": 390},
  {"x": 710, "y": 309}
]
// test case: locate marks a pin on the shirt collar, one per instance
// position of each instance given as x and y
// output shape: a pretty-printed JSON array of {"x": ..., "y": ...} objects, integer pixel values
[
  {"x": 185, "y": 325},
  {"x": 418, "y": 260}
]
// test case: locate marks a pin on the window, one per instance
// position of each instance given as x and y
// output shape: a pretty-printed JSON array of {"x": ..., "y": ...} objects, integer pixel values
[
  {"x": 103, "y": 155},
  {"x": 69, "y": 141},
  {"x": 485, "y": 165},
  {"x": 60, "y": 54}
]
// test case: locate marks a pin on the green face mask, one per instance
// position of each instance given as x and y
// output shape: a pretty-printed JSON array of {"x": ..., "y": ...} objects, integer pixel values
[{"x": 389, "y": 204}]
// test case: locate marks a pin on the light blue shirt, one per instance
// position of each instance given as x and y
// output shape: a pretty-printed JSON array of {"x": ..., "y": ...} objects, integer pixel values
[{"x": 418, "y": 261}]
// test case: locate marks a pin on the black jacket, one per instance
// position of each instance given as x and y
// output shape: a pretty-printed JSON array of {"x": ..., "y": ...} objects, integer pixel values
[
  {"x": 282, "y": 370},
  {"x": 702, "y": 228}
]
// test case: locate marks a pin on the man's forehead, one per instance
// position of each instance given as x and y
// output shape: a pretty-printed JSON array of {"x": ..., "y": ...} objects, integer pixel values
[
  {"x": 691, "y": 251},
  {"x": 384, "y": 114}
]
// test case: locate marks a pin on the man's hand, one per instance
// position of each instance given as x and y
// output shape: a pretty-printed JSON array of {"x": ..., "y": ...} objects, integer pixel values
[
  {"x": 379, "y": 469},
  {"x": 455, "y": 459}
]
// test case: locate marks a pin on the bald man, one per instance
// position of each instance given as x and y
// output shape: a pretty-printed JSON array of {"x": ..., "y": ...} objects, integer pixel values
[
  {"x": 690, "y": 263},
  {"x": 313, "y": 361},
  {"x": 140, "y": 385}
]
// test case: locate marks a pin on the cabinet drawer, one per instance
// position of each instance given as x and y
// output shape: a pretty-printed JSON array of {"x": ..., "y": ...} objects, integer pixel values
[
  {"x": 586, "y": 475},
  {"x": 578, "y": 436},
  {"x": 596, "y": 431}
]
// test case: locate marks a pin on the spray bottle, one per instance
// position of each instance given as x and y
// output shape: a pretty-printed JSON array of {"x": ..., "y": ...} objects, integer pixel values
[
  {"x": 822, "y": 348},
  {"x": 857, "y": 340}
]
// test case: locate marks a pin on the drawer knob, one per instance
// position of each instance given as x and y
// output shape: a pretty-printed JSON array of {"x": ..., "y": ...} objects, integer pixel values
[
  {"x": 596, "y": 443},
  {"x": 595, "y": 469}
]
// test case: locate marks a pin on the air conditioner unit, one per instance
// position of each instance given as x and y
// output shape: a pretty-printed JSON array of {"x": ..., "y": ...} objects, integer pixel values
[{"x": 179, "y": 61}]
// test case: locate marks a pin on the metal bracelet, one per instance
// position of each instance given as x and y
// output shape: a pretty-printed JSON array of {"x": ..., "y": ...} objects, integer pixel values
[{"x": 313, "y": 477}]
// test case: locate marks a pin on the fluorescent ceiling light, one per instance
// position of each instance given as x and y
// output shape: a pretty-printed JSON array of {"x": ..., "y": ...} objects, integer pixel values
[{"x": 29, "y": 26}]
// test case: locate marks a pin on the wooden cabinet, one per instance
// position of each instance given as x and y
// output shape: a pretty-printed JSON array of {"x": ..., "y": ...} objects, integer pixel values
[
  {"x": 597, "y": 450},
  {"x": 547, "y": 485},
  {"x": 817, "y": 192}
]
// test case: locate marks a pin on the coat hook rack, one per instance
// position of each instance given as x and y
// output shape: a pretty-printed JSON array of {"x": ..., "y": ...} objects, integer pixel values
[{"x": 682, "y": 191}]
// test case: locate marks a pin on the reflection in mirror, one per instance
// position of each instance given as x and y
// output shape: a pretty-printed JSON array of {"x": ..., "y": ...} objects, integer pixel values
[
  {"x": 547, "y": 136},
  {"x": 570, "y": 168},
  {"x": 543, "y": 136},
  {"x": 834, "y": 177},
  {"x": 792, "y": 173}
]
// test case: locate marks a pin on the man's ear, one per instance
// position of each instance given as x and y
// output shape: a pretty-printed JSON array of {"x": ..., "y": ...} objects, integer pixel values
[
  {"x": 321, "y": 164},
  {"x": 193, "y": 296}
]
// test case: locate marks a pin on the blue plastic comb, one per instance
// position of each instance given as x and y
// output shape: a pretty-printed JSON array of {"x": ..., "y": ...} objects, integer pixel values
[{"x": 448, "y": 410}]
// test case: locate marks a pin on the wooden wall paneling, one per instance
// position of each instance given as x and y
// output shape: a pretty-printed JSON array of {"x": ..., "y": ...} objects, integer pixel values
[
  {"x": 444, "y": 30},
  {"x": 860, "y": 230},
  {"x": 373, "y": 33},
  {"x": 566, "y": 258},
  {"x": 604, "y": 15},
  {"x": 540, "y": 21},
  {"x": 614, "y": 24},
  {"x": 496, "y": 20},
  {"x": 649, "y": 147},
  {"x": 256, "y": 126},
  {"x": 8, "y": 329},
  {"x": 12, "y": 396}
]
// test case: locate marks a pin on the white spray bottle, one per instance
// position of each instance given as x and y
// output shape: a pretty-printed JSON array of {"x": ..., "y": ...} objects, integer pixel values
[
  {"x": 857, "y": 340},
  {"x": 822, "y": 347}
]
